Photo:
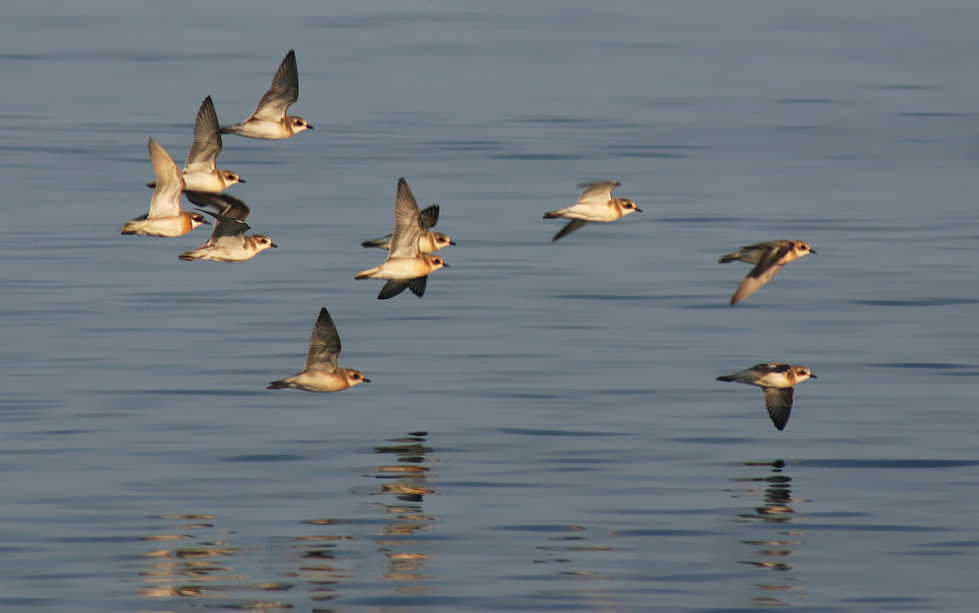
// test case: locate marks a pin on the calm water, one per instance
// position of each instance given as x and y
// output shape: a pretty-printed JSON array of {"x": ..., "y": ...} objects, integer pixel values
[{"x": 543, "y": 430}]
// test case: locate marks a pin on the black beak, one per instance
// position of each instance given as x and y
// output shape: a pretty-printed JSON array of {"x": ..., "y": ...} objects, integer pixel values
[
  {"x": 309, "y": 127},
  {"x": 811, "y": 376},
  {"x": 444, "y": 265},
  {"x": 240, "y": 180},
  {"x": 452, "y": 242},
  {"x": 273, "y": 245},
  {"x": 812, "y": 251},
  {"x": 638, "y": 210},
  {"x": 366, "y": 380}
]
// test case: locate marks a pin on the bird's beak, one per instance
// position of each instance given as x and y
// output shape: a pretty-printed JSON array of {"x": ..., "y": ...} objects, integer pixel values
[
  {"x": 812, "y": 251},
  {"x": 309, "y": 127},
  {"x": 444, "y": 265},
  {"x": 273, "y": 245},
  {"x": 638, "y": 210},
  {"x": 452, "y": 242},
  {"x": 366, "y": 380},
  {"x": 811, "y": 376},
  {"x": 240, "y": 180}
]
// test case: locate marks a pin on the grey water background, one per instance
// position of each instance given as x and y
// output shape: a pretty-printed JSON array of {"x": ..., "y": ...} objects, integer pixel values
[{"x": 543, "y": 430}]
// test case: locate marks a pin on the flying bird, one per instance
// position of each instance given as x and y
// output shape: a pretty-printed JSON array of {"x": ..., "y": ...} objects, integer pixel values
[
  {"x": 269, "y": 121},
  {"x": 406, "y": 267},
  {"x": 228, "y": 242},
  {"x": 777, "y": 381},
  {"x": 768, "y": 258},
  {"x": 321, "y": 373},
  {"x": 166, "y": 217},
  {"x": 595, "y": 204},
  {"x": 200, "y": 171},
  {"x": 427, "y": 241}
]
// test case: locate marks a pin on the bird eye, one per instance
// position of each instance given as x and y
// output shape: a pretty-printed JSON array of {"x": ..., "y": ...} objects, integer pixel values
[{"x": 355, "y": 377}]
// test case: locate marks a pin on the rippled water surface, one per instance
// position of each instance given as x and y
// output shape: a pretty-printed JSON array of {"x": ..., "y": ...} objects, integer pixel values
[{"x": 543, "y": 431}]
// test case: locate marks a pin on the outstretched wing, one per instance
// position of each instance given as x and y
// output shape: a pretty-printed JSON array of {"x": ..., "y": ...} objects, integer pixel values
[
  {"x": 430, "y": 217},
  {"x": 394, "y": 287},
  {"x": 778, "y": 401},
  {"x": 165, "y": 201},
  {"x": 207, "y": 140},
  {"x": 597, "y": 193},
  {"x": 574, "y": 224},
  {"x": 407, "y": 223},
  {"x": 761, "y": 274},
  {"x": 229, "y": 206},
  {"x": 324, "y": 345},
  {"x": 283, "y": 93},
  {"x": 225, "y": 226}
]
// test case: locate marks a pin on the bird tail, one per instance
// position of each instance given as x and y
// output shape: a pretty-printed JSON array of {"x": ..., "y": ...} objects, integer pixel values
[{"x": 726, "y": 378}]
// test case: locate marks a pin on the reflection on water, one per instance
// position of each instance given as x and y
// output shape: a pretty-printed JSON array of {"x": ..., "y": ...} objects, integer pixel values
[
  {"x": 779, "y": 540},
  {"x": 403, "y": 556},
  {"x": 202, "y": 569},
  {"x": 406, "y": 481},
  {"x": 205, "y": 564}
]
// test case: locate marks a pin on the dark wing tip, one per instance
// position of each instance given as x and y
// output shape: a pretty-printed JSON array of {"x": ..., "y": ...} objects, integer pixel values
[
  {"x": 392, "y": 289},
  {"x": 778, "y": 402}
]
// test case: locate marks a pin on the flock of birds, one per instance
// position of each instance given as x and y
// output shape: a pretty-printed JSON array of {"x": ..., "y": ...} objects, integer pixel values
[{"x": 410, "y": 246}]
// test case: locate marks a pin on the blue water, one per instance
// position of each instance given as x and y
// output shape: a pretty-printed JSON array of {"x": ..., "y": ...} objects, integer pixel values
[{"x": 543, "y": 430}]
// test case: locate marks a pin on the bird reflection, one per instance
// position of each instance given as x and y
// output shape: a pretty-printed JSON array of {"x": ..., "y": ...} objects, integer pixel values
[
  {"x": 201, "y": 568},
  {"x": 407, "y": 482},
  {"x": 776, "y": 516},
  {"x": 397, "y": 492}
]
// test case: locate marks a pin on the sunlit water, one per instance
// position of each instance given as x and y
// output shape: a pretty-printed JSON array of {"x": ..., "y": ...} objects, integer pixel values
[{"x": 543, "y": 430}]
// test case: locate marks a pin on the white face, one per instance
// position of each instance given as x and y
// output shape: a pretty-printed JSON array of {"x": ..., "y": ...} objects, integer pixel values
[
  {"x": 802, "y": 372},
  {"x": 263, "y": 242}
]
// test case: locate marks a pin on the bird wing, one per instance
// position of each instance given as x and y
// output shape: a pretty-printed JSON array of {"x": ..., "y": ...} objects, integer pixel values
[
  {"x": 598, "y": 192},
  {"x": 773, "y": 255},
  {"x": 430, "y": 217},
  {"x": 207, "y": 140},
  {"x": 394, "y": 287},
  {"x": 752, "y": 283},
  {"x": 773, "y": 367},
  {"x": 379, "y": 243},
  {"x": 225, "y": 226},
  {"x": 778, "y": 401},
  {"x": 283, "y": 93},
  {"x": 169, "y": 183},
  {"x": 418, "y": 285},
  {"x": 574, "y": 224},
  {"x": 229, "y": 206},
  {"x": 324, "y": 345},
  {"x": 407, "y": 223}
]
